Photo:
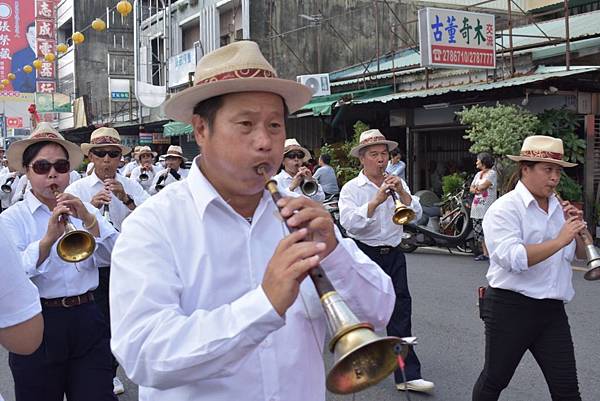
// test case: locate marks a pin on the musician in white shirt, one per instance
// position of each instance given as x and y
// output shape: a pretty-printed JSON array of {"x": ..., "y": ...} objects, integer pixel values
[
  {"x": 174, "y": 170},
  {"x": 293, "y": 173},
  {"x": 366, "y": 211},
  {"x": 74, "y": 358},
  {"x": 147, "y": 170},
  {"x": 209, "y": 294},
  {"x": 531, "y": 238}
]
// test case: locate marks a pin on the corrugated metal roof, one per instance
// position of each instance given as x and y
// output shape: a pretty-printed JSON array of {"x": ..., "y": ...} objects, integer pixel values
[
  {"x": 322, "y": 105},
  {"x": 580, "y": 26},
  {"x": 541, "y": 73}
]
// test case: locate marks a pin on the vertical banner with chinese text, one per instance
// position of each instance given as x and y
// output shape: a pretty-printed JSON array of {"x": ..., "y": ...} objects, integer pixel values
[
  {"x": 454, "y": 38},
  {"x": 45, "y": 24}
]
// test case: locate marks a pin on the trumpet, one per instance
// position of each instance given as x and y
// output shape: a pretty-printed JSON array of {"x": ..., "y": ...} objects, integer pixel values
[
  {"x": 75, "y": 245},
  {"x": 402, "y": 213},
  {"x": 309, "y": 187},
  {"x": 361, "y": 357},
  {"x": 106, "y": 212},
  {"x": 6, "y": 187},
  {"x": 592, "y": 255},
  {"x": 144, "y": 176},
  {"x": 159, "y": 184}
]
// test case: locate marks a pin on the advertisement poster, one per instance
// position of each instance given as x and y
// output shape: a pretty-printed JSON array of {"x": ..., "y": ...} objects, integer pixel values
[{"x": 17, "y": 43}]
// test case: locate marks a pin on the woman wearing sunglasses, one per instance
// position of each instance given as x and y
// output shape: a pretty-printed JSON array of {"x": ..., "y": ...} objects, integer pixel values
[{"x": 74, "y": 357}]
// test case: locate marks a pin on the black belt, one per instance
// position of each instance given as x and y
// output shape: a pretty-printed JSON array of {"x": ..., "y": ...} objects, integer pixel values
[
  {"x": 382, "y": 250},
  {"x": 67, "y": 302}
]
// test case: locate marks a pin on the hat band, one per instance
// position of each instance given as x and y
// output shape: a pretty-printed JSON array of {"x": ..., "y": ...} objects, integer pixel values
[
  {"x": 174, "y": 154},
  {"x": 237, "y": 74},
  {"x": 372, "y": 139},
  {"x": 101, "y": 140},
  {"x": 44, "y": 135},
  {"x": 542, "y": 154}
]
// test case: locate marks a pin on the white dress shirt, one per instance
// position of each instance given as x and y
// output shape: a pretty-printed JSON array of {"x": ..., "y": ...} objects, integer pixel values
[
  {"x": 135, "y": 175},
  {"x": 129, "y": 167},
  {"x": 19, "y": 299},
  {"x": 86, "y": 188},
  {"x": 190, "y": 320},
  {"x": 379, "y": 229},
  {"x": 284, "y": 180},
  {"x": 516, "y": 220},
  {"x": 169, "y": 180},
  {"x": 27, "y": 222}
]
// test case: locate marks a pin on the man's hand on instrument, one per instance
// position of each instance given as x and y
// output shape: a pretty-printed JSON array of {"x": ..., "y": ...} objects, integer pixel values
[
  {"x": 396, "y": 182},
  {"x": 570, "y": 229},
  {"x": 570, "y": 210},
  {"x": 75, "y": 207},
  {"x": 289, "y": 266},
  {"x": 305, "y": 171},
  {"x": 116, "y": 188},
  {"x": 304, "y": 212},
  {"x": 382, "y": 193},
  {"x": 102, "y": 198},
  {"x": 55, "y": 226}
]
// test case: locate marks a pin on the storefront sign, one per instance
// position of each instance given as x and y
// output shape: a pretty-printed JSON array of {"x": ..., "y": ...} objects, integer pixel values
[
  {"x": 14, "y": 122},
  {"x": 180, "y": 67},
  {"x": 454, "y": 38},
  {"x": 119, "y": 89}
]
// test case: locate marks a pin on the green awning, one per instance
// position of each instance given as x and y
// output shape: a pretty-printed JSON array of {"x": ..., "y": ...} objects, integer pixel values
[
  {"x": 177, "y": 128},
  {"x": 323, "y": 105}
]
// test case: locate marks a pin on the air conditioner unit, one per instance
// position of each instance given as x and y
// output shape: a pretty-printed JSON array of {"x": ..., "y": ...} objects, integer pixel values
[{"x": 318, "y": 83}]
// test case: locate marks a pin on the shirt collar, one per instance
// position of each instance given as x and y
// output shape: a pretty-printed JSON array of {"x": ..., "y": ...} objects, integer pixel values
[
  {"x": 362, "y": 179},
  {"x": 203, "y": 192},
  {"x": 32, "y": 202},
  {"x": 527, "y": 198}
]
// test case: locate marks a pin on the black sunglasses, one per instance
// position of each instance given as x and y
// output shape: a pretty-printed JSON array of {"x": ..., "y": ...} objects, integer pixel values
[
  {"x": 61, "y": 166},
  {"x": 113, "y": 154},
  {"x": 294, "y": 155}
]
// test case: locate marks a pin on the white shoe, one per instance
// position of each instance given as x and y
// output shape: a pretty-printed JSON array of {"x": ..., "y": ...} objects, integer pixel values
[
  {"x": 118, "y": 387},
  {"x": 416, "y": 385}
]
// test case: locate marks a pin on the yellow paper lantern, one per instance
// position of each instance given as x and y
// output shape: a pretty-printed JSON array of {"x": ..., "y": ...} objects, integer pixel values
[
  {"x": 11, "y": 76},
  {"x": 5, "y": 82},
  {"x": 50, "y": 57},
  {"x": 78, "y": 38},
  {"x": 98, "y": 25},
  {"x": 1, "y": 87},
  {"x": 124, "y": 7},
  {"x": 37, "y": 64},
  {"x": 27, "y": 69},
  {"x": 62, "y": 48}
]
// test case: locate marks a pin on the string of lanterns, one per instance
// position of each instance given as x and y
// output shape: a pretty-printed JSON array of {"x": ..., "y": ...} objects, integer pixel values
[{"x": 123, "y": 7}]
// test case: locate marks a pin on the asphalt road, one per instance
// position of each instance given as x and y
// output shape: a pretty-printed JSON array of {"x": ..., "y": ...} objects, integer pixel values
[{"x": 451, "y": 340}]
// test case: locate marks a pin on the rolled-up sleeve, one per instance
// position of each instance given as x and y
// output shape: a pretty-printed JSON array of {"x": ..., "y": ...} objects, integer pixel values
[
  {"x": 503, "y": 238},
  {"x": 160, "y": 345},
  {"x": 353, "y": 214},
  {"x": 352, "y": 273}
]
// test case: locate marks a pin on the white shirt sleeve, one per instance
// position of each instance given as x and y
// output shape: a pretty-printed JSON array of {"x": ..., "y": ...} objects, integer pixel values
[
  {"x": 504, "y": 239},
  {"x": 353, "y": 213},
  {"x": 19, "y": 298},
  {"x": 159, "y": 345}
]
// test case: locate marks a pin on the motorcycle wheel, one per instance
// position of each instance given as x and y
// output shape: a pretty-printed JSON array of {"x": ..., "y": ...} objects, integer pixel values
[
  {"x": 407, "y": 248},
  {"x": 467, "y": 246}
]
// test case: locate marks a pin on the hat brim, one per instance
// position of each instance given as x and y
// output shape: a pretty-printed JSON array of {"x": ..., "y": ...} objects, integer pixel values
[
  {"x": 86, "y": 147},
  {"x": 180, "y": 107},
  {"x": 296, "y": 147},
  {"x": 391, "y": 145},
  {"x": 542, "y": 160},
  {"x": 172, "y": 155},
  {"x": 16, "y": 150},
  {"x": 154, "y": 154}
]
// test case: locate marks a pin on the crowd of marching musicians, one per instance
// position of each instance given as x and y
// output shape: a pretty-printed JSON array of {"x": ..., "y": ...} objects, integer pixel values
[{"x": 209, "y": 297}]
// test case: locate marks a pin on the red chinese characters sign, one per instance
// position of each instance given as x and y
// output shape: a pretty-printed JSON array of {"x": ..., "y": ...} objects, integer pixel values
[
  {"x": 454, "y": 38},
  {"x": 45, "y": 22},
  {"x": 14, "y": 122},
  {"x": 17, "y": 43}
]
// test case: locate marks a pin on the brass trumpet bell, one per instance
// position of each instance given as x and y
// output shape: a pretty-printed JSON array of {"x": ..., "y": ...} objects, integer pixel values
[
  {"x": 75, "y": 245},
  {"x": 402, "y": 213},
  {"x": 593, "y": 263},
  {"x": 309, "y": 187},
  {"x": 361, "y": 357}
]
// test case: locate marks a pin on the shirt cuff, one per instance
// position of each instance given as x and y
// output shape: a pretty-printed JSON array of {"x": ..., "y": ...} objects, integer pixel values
[
  {"x": 255, "y": 312},
  {"x": 519, "y": 259}
]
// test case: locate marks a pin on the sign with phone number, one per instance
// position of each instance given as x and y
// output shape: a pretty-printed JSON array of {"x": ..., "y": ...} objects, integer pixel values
[{"x": 453, "y": 38}]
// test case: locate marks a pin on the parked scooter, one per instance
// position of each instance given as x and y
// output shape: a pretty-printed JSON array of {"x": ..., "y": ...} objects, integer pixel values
[
  {"x": 331, "y": 205},
  {"x": 445, "y": 225}
]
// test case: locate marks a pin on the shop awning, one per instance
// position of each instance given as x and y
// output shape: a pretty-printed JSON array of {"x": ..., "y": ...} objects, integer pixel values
[
  {"x": 540, "y": 74},
  {"x": 177, "y": 128},
  {"x": 323, "y": 105}
]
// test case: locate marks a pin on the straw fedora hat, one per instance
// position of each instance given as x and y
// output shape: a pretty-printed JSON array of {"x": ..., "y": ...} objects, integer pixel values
[
  {"x": 237, "y": 67},
  {"x": 292, "y": 144},
  {"x": 174, "y": 151},
  {"x": 44, "y": 132},
  {"x": 372, "y": 137},
  {"x": 141, "y": 150},
  {"x": 541, "y": 148},
  {"x": 104, "y": 136}
]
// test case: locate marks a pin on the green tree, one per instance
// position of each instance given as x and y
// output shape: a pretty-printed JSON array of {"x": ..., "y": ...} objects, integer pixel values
[
  {"x": 498, "y": 130},
  {"x": 562, "y": 123}
]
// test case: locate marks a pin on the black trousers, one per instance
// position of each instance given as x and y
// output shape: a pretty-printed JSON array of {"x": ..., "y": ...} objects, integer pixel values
[
  {"x": 514, "y": 324},
  {"x": 101, "y": 297},
  {"x": 393, "y": 263},
  {"x": 74, "y": 359}
]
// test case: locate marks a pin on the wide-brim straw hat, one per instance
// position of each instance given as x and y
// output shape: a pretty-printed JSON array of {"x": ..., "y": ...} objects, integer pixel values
[
  {"x": 104, "y": 136},
  {"x": 372, "y": 137},
  {"x": 292, "y": 144},
  {"x": 237, "y": 67},
  {"x": 44, "y": 132},
  {"x": 144, "y": 150},
  {"x": 541, "y": 148},
  {"x": 174, "y": 151}
]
